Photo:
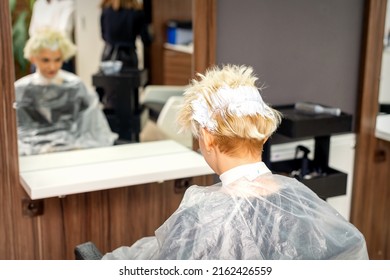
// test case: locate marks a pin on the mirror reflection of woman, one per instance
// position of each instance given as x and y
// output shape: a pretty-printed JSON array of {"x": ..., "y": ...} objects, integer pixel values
[
  {"x": 55, "y": 110},
  {"x": 55, "y": 14},
  {"x": 121, "y": 22}
]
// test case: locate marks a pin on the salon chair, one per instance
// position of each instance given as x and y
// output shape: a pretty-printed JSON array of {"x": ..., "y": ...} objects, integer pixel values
[
  {"x": 120, "y": 98},
  {"x": 87, "y": 251},
  {"x": 155, "y": 96},
  {"x": 167, "y": 124}
]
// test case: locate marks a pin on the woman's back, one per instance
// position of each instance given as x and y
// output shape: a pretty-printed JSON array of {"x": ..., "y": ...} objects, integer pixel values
[
  {"x": 123, "y": 26},
  {"x": 292, "y": 223},
  {"x": 268, "y": 217}
]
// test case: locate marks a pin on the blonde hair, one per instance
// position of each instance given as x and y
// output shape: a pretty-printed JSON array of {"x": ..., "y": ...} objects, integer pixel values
[
  {"x": 49, "y": 39},
  {"x": 124, "y": 4},
  {"x": 232, "y": 131}
]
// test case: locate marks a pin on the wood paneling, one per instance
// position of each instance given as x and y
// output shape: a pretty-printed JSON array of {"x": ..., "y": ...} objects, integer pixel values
[
  {"x": 372, "y": 216},
  {"x": 205, "y": 34},
  {"x": 110, "y": 219},
  {"x": 162, "y": 12},
  {"x": 177, "y": 68},
  {"x": 17, "y": 232},
  {"x": 371, "y": 178}
]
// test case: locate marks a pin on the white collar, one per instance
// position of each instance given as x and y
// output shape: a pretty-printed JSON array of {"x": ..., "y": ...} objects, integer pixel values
[
  {"x": 249, "y": 171},
  {"x": 39, "y": 79}
]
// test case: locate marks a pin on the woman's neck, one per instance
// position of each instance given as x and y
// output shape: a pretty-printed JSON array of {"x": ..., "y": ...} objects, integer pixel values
[
  {"x": 41, "y": 79},
  {"x": 225, "y": 162}
]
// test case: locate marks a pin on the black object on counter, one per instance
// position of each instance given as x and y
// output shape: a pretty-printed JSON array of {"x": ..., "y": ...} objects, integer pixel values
[
  {"x": 327, "y": 182},
  {"x": 304, "y": 170},
  {"x": 125, "y": 116}
]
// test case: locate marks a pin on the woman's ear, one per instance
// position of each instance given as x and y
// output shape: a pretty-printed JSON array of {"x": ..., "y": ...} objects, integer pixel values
[
  {"x": 208, "y": 139},
  {"x": 32, "y": 59}
]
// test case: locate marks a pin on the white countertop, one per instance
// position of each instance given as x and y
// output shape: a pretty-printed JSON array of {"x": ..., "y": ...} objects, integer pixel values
[
  {"x": 383, "y": 127},
  {"x": 64, "y": 173},
  {"x": 180, "y": 48}
]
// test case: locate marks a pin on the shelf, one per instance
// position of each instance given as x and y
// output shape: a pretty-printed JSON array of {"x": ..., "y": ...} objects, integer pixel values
[
  {"x": 97, "y": 169},
  {"x": 298, "y": 125},
  {"x": 180, "y": 48},
  {"x": 331, "y": 183},
  {"x": 382, "y": 130},
  {"x": 328, "y": 182}
]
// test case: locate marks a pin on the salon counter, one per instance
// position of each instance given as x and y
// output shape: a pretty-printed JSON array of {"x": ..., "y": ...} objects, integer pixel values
[
  {"x": 64, "y": 173},
  {"x": 383, "y": 127}
]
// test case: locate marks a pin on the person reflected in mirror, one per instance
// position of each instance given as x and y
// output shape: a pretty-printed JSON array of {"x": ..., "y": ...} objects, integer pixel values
[
  {"x": 54, "y": 14},
  {"x": 122, "y": 22},
  {"x": 55, "y": 110},
  {"x": 251, "y": 213}
]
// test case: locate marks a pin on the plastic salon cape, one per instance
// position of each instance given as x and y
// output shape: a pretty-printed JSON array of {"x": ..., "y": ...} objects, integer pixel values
[
  {"x": 252, "y": 214},
  {"x": 58, "y": 115}
]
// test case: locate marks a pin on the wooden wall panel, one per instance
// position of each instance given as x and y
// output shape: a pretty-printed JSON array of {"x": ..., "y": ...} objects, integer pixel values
[
  {"x": 162, "y": 12},
  {"x": 16, "y": 231},
  {"x": 385, "y": 147},
  {"x": 177, "y": 68},
  {"x": 376, "y": 209},
  {"x": 205, "y": 32},
  {"x": 110, "y": 218},
  {"x": 378, "y": 205},
  {"x": 370, "y": 183},
  {"x": 51, "y": 236}
]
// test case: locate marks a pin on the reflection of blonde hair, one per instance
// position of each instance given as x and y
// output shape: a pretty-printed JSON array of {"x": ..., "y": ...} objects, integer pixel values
[
  {"x": 247, "y": 127},
  {"x": 124, "y": 4},
  {"x": 49, "y": 39}
]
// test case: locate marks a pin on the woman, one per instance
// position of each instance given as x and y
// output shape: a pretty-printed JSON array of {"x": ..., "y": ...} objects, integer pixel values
[
  {"x": 55, "y": 111},
  {"x": 251, "y": 213},
  {"x": 121, "y": 22},
  {"x": 55, "y": 14}
]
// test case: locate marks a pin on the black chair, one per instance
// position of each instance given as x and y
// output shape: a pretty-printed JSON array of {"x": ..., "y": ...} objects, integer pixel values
[{"x": 87, "y": 251}]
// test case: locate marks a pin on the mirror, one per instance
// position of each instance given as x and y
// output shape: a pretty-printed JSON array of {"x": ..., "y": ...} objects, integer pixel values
[
  {"x": 90, "y": 44},
  {"x": 382, "y": 126},
  {"x": 384, "y": 89},
  {"x": 88, "y": 33}
]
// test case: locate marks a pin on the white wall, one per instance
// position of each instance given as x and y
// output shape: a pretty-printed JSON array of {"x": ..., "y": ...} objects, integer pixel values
[
  {"x": 88, "y": 39},
  {"x": 342, "y": 157},
  {"x": 384, "y": 85}
]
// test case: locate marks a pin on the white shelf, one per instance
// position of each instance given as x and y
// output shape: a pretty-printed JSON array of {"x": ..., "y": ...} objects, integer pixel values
[
  {"x": 180, "y": 48},
  {"x": 65, "y": 173},
  {"x": 383, "y": 127}
]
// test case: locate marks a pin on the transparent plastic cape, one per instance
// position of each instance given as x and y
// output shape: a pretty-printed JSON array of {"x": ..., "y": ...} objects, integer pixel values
[
  {"x": 268, "y": 217},
  {"x": 61, "y": 117}
]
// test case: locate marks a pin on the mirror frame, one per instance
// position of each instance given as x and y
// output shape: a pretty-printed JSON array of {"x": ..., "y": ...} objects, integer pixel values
[{"x": 368, "y": 105}]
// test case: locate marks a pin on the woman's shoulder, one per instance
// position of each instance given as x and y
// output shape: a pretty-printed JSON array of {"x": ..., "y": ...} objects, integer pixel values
[
  {"x": 69, "y": 77},
  {"x": 23, "y": 81}
]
